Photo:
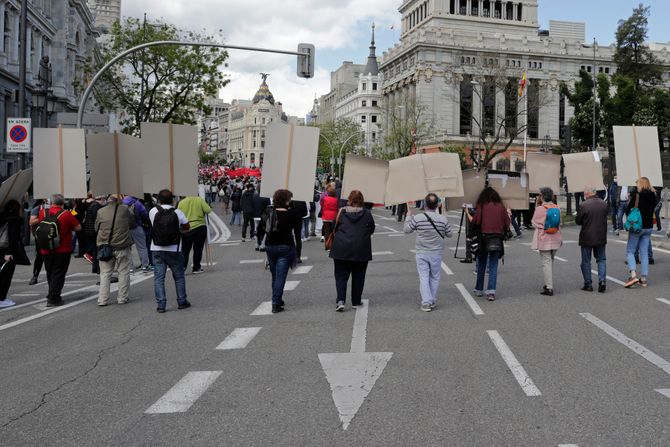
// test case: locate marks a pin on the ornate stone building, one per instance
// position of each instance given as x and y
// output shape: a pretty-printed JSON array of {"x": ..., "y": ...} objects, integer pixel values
[
  {"x": 105, "y": 13},
  {"x": 450, "y": 50}
]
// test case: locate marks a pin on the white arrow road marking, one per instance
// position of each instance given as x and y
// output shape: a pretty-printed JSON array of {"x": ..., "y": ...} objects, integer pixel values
[
  {"x": 265, "y": 308},
  {"x": 665, "y": 392},
  {"x": 513, "y": 364},
  {"x": 634, "y": 346},
  {"x": 239, "y": 338},
  {"x": 302, "y": 269},
  {"x": 468, "y": 299},
  {"x": 185, "y": 392},
  {"x": 352, "y": 375},
  {"x": 220, "y": 228}
]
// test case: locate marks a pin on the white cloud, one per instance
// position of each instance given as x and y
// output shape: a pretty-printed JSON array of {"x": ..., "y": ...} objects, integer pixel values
[{"x": 277, "y": 24}]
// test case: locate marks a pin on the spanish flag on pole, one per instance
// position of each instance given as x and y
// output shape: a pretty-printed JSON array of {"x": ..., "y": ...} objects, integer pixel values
[{"x": 522, "y": 84}]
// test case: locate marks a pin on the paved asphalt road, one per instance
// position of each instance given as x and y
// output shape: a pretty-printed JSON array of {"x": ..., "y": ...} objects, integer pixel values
[{"x": 577, "y": 368}]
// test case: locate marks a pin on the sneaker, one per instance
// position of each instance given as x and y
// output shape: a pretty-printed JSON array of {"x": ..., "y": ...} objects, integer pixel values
[
  {"x": 356, "y": 306},
  {"x": 102, "y": 304},
  {"x": 276, "y": 308},
  {"x": 466, "y": 261},
  {"x": 601, "y": 287},
  {"x": 32, "y": 281},
  {"x": 490, "y": 297},
  {"x": 433, "y": 306},
  {"x": 587, "y": 288},
  {"x": 547, "y": 291},
  {"x": 426, "y": 308},
  {"x": 7, "y": 303},
  {"x": 476, "y": 292},
  {"x": 89, "y": 258},
  {"x": 339, "y": 307},
  {"x": 651, "y": 261},
  {"x": 126, "y": 301},
  {"x": 257, "y": 248},
  {"x": 643, "y": 282},
  {"x": 146, "y": 268},
  {"x": 160, "y": 310},
  {"x": 184, "y": 305},
  {"x": 200, "y": 270},
  {"x": 632, "y": 280},
  {"x": 56, "y": 304}
]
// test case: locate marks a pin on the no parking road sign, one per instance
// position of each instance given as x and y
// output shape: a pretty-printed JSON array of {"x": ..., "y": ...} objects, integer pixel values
[{"x": 18, "y": 134}]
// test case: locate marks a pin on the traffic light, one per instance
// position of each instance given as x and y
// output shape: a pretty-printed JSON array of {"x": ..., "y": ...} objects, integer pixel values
[{"x": 306, "y": 62}]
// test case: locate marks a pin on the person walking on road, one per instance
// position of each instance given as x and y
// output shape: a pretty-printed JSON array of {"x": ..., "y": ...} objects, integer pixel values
[
  {"x": 236, "y": 206},
  {"x": 113, "y": 226},
  {"x": 167, "y": 224},
  {"x": 139, "y": 215},
  {"x": 247, "y": 204},
  {"x": 592, "y": 217},
  {"x": 278, "y": 224},
  {"x": 260, "y": 205},
  {"x": 300, "y": 209},
  {"x": 640, "y": 225},
  {"x": 329, "y": 207},
  {"x": 39, "y": 260},
  {"x": 54, "y": 229},
  {"x": 12, "y": 252},
  {"x": 547, "y": 238},
  {"x": 195, "y": 209},
  {"x": 90, "y": 229},
  {"x": 492, "y": 221},
  {"x": 431, "y": 230},
  {"x": 352, "y": 249}
]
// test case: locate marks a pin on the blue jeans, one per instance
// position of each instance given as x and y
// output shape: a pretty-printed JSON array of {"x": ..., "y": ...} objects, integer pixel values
[
  {"x": 237, "y": 218},
  {"x": 639, "y": 241},
  {"x": 175, "y": 260},
  {"x": 491, "y": 258},
  {"x": 429, "y": 266},
  {"x": 600, "y": 254},
  {"x": 305, "y": 227},
  {"x": 280, "y": 258},
  {"x": 621, "y": 210}
]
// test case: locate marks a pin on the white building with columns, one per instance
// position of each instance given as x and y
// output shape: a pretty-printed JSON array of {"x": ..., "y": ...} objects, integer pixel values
[{"x": 447, "y": 47}]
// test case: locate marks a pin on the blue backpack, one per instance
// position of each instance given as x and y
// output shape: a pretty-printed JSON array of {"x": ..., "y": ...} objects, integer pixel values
[
  {"x": 553, "y": 220},
  {"x": 634, "y": 220}
]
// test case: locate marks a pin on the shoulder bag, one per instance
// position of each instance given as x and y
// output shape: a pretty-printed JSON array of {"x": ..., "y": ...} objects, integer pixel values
[
  {"x": 105, "y": 251},
  {"x": 331, "y": 236},
  {"x": 433, "y": 224}
]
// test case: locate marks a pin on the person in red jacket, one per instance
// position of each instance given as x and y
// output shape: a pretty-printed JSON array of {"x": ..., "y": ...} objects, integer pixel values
[
  {"x": 56, "y": 262},
  {"x": 329, "y": 209}
]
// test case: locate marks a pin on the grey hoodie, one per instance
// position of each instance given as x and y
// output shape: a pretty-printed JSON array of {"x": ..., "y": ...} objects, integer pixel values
[{"x": 427, "y": 239}]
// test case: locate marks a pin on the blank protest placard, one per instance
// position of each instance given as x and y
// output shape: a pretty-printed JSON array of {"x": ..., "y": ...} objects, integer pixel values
[
  {"x": 443, "y": 174},
  {"x": 59, "y": 164},
  {"x": 512, "y": 187},
  {"x": 582, "y": 170},
  {"x": 290, "y": 160},
  {"x": 638, "y": 154},
  {"x": 170, "y": 158},
  {"x": 115, "y": 161},
  {"x": 544, "y": 170},
  {"x": 367, "y": 175},
  {"x": 406, "y": 180},
  {"x": 474, "y": 183}
]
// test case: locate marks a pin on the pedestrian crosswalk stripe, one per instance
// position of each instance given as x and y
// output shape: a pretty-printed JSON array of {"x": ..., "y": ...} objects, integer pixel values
[
  {"x": 664, "y": 391},
  {"x": 265, "y": 308},
  {"x": 514, "y": 366},
  {"x": 239, "y": 338},
  {"x": 185, "y": 392},
  {"x": 290, "y": 285},
  {"x": 302, "y": 270}
]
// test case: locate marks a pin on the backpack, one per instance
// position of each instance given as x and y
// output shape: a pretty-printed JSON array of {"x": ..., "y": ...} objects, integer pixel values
[
  {"x": 47, "y": 232},
  {"x": 553, "y": 220},
  {"x": 270, "y": 222},
  {"x": 634, "y": 220},
  {"x": 165, "y": 229}
]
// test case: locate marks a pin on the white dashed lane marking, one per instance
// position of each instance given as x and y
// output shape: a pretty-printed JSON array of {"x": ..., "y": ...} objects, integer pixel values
[
  {"x": 185, "y": 392},
  {"x": 239, "y": 338},
  {"x": 663, "y": 300},
  {"x": 252, "y": 261},
  {"x": 468, "y": 299},
  {"x": 446, "y": 269},
  {"x": 382, "y": 253},
  {"x": 302, "y": 270},
  {"x": 290, "y": 285},
  {"x": 513, "y": 364},
  {"x": 265, "y": 308}
]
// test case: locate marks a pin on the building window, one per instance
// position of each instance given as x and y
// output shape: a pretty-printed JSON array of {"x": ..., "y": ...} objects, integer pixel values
[
  {"x": 519, "y": 12},
  {"x": 511, "y": 106},
  {"x": 373, "y": 118},
  {"x": 374, "y": 86},
  {"x": 365, "y": 86},
  {"x": 253, "y": 158},
  {"x": 466, "y": 106},
  {"x": 364, "y": 103},
  {"x": 607, "y": 70},
  {"x": 374, "y": 103},
  {"x": 263, "y": 143},
  {"x": 533, "y": 109},
  {"x": 254, "y": 134},
  {"x": 588, "y": 69},
  {"x": 374, "y": 136},
  {"x": 254, "y": 145},
  {"x": 263, "y": 120},
  {"x": 262, "y": 134},
  {"x": 364, "y": 119},
  {"x": 255, "y": 120}
]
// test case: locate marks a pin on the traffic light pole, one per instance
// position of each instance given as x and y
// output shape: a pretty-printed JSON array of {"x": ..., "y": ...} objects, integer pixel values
[{"x": 305, "y": 60}]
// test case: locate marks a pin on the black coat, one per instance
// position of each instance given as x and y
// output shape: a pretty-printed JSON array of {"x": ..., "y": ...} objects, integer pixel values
[
  {"x": 592, "y": 216},
  {"x": 15, "y": 239},
  {"x": 235, "y": 198},
  {"x": 247, "y": 202},
  {"x": 260, "y": 204},
  {"x": 352, "y": 240},
  {"x": 646, "y": 204}
]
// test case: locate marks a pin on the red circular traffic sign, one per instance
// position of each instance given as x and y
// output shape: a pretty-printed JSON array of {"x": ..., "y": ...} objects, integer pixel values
[{"x": 18, "y": 133}]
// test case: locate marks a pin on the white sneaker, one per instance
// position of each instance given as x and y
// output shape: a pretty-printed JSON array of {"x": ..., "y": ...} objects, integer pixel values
[
  {"x": 7, "y": 303},
  {"x": 323, "y": 238}
]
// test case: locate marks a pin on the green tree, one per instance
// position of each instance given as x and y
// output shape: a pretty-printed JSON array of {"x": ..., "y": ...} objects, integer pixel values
[
  {"x": 635, "y": 60},
  {"x": 338, "y": 137},
  {"x": 408, "y": 127},
  {"x": 460, "y": 150},
  {"x": 158, "y": 84},
  {"x": 581, "y": 98}
]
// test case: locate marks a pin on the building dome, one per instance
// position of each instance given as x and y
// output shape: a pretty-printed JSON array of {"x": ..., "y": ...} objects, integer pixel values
[{"x": 264, "y": 93}]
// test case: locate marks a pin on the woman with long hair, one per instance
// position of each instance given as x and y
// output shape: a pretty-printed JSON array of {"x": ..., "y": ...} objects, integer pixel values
[
  {"x": 547, "y": 238},
  {"x": 352, "y": 249},
  {"x": 329, "y": 208},
  {"x": 643, "y": 199},
  {"x": 14, "y": 253},
  {"x": 493, "y": 221}
]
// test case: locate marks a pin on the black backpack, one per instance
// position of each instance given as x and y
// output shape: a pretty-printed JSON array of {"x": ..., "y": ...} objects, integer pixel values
[
  {"x": 47, "y": 232},
  {"x": 165, "y": 229},
  {"x": 269, "y": 220}
]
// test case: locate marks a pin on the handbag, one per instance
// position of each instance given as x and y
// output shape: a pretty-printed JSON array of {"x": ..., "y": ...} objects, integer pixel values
[
  {"x": 105, "y": 251},
  {"x": 494, "y": 242},
  {"x": 331, "y": 236}
]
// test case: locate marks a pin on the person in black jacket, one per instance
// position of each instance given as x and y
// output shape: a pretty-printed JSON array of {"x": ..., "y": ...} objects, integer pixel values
[
  {"x": 235, "y": 199},
  {"x": 11, "y": 248},
  {"x": 300, "y": 209},
  {"x": 248, "y": 208},
  {"x": 260, "y": 205},
  {"x": 352, "y": 249},
  {"x": 643, "y": 199}
]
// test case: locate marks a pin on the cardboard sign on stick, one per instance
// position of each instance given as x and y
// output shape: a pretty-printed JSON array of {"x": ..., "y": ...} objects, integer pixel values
[
  {"x": 15, "y": 187},
  {"x": 582, "y": 170},
  {"x": 59, "y": 164},
  {"x": 290, "y": 160},
  {"x": 170, "y": 158},
  {"x": 512, "y": 187},
  {"x": 474, "y": 183},
  {"x": 544, "y": 170},
  {"x": 368, "y": 175},
  {"x": 406, "y": 180},
  {"x": 115, "y": 161},
  {"x": 638, "y": 154},
  {"x": 443, "y": 174}
]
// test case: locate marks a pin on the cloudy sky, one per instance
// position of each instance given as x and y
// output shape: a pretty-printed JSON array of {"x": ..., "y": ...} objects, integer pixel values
[{"x": 340, "y": 29}]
